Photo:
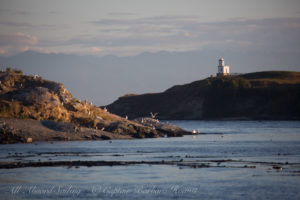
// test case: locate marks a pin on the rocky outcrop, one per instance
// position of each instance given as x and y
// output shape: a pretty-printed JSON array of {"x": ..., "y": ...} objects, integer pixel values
[
  {"x": 260, "y": 95},
  {"x": 165, "y": 129},
  {"x": 32, "y": 97}
]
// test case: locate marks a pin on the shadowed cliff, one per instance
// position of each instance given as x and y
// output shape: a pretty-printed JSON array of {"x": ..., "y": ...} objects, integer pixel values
[{"x": 259, "y": 95}]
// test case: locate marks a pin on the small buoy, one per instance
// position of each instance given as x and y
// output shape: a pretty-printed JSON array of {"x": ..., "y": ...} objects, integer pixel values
[{"x": 29, "y": 140}]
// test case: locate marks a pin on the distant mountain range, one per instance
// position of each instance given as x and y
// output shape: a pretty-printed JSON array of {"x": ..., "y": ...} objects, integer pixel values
[
  {"x": 103, "y": 79},
  {"x": 261, "y": 95}
]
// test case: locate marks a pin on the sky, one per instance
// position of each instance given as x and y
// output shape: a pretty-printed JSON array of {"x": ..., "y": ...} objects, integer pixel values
[
  {"x": 103, "y": 49},
  {"x": 130, "y": 27}
]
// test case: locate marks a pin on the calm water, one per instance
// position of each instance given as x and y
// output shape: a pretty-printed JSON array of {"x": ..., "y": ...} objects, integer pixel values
[{"x": 237, "y": 159}]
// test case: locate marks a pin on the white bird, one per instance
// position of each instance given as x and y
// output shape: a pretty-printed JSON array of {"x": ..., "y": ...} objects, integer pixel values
[
  {"x": 153, "y": 115},
  {"x": 126, "y": 117},
  {"x": 105, "y": 109}
]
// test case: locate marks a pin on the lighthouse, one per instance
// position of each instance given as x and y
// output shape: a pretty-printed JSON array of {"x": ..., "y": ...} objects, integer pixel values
[{"x": 223, "y": 69}]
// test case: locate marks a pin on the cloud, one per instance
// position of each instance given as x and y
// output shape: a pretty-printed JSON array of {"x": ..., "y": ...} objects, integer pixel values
[
  {"x": 95, "y": 50},
  {"x": 174, "y": 33},
  {"x": 120, "y": 13},
  {"x": 124, "y": 36},
  {"x": 15, "y": 43},
  {"x": 18, "y": 39},
  {"x": 15, "y": 12},
  {"x": 52, "y": 12},
  {"x": 189, "y": 33},
  {"x": 169, "y": 19},
  {"x": 33, "y": 26},
  {"x": 21, "y": 12},
  {"x": 17, "y": 24}
]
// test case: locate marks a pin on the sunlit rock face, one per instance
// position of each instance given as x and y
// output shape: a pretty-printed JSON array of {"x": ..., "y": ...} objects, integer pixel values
[{"x": 32, "y": 97}]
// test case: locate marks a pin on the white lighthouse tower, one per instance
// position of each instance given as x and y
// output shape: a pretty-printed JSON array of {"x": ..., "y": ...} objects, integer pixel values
[{"x": 223, "y": 69}]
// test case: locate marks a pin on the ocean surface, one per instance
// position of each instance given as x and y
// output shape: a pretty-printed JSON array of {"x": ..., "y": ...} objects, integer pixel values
[{"x": 228, "y": 160}]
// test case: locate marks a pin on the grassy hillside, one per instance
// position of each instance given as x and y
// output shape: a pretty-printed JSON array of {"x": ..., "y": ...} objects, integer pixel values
[{"x": 259, "y": 95}]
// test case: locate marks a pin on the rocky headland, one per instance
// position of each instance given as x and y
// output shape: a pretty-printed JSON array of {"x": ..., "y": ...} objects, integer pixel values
[
  {"x": 269, "y": 95},
  {"x": 35, "y": 109}
]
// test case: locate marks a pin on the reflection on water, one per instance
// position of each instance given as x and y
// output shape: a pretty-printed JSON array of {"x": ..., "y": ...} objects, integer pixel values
[{"x": 232, "y": 160}]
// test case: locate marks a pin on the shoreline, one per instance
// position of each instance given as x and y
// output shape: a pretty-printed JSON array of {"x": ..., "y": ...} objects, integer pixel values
[
  {"x": 14, "y": 130},
  {"x": 29, "y": 131}
]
